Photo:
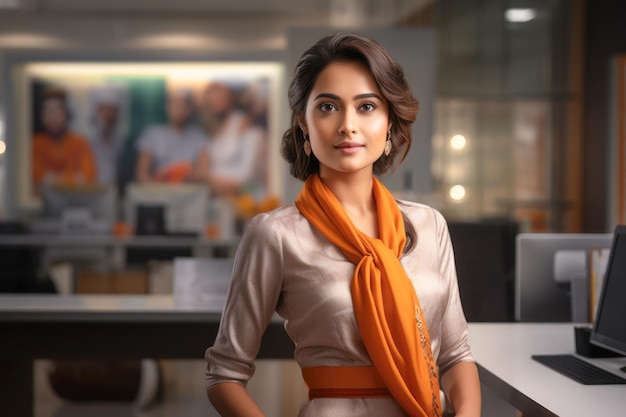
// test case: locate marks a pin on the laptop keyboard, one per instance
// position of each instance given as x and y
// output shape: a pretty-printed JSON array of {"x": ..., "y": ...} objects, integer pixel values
[{"x": 579, "y": 370}]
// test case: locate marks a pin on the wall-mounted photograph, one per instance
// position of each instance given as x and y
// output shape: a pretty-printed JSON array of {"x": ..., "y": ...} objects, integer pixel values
[{"x": 82, "y": 124}]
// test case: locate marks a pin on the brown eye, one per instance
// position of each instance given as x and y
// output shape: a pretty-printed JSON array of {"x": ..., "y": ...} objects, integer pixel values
[
  {"x": 367, "y": 107},
  {"x": 327, "y": 107}
]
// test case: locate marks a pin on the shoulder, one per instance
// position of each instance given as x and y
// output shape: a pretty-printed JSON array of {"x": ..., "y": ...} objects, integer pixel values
[
  {"x": 273, "y": 230},
  {"x": 156, "y": 130},
  {"x": 76, "y": 139},
  {"x": 41, "y": 144},
  {"x": 195, "y": 132},
  {"x": 278, "y": 220},
  {"x": 421, "y": 214},
  {"x": 40, "y": 137},
  {"x": 429, "y": 224},
  {"x": 154, "y": 134}
]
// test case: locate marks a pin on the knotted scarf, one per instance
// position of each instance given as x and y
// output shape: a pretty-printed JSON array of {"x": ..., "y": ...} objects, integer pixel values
[{"x": 386, "y": 307}]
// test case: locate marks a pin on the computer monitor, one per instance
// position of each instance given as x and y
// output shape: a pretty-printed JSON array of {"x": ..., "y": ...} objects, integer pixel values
[
  {"x": 184, "y": 206},
  {"x": 609, "y": 330},
  {"x": 538, "y": 295},
  {"x": 76, "y": 209}
]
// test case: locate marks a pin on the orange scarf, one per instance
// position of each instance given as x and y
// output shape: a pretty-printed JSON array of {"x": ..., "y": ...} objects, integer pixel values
[{"x": 386, "y": 306}]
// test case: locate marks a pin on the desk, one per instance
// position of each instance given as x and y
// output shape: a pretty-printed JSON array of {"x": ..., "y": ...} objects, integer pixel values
[
  {"x": 111, "y": 251},
  {"x": 104, "y": 327},
  {"x": 132, "y": 327},
  {"x": 200, "y": 246},
  {"x": 503, "y": 352}
]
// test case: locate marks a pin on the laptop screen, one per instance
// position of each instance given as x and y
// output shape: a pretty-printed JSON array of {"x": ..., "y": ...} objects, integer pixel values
[{"x": 609, "y": 328}]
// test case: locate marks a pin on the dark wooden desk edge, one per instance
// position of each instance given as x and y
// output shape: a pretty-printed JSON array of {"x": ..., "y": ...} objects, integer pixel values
[
  {"x": 125, "y": 340},
  {"x": 25, "y": 341}
]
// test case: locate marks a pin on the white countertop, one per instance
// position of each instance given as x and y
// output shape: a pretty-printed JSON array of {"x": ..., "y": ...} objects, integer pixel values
[
  {"x": 505, "y": 350},
  {"x": 93, "y": 307}
]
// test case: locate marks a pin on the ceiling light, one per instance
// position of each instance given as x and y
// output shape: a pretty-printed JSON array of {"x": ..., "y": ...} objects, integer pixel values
[
  {"x": 3, "y": 147},
  {"x": 457, "y": 192},
  {"x": 520, "y": 15},
  {"x": 458, "y": 142}
]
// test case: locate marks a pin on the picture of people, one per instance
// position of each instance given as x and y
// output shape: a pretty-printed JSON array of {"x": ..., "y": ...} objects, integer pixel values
[{"x": 102, "y": 123}]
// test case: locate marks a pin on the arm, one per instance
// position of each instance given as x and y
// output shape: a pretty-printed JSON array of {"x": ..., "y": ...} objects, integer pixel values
[
  {"x": 201, "y": 167},
  {"x": 232, "y": 400},
  {"x": 459, "y": 375},
  {"x": 202, "y": 172},
  {"x": 87, "y": 164},
  {"x": 38, "y": 167},
  {"x": 224, "y": 185},
  {"x": 142, "y": 171},
  {"x": 462, "y": 388},
  {"x": 255, "y": 289}
]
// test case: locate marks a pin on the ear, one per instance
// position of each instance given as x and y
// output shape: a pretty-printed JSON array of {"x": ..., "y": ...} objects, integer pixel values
[{"x": 302, "y": 124}]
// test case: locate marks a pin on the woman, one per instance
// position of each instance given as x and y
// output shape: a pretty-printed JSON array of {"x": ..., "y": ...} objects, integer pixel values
[
  {"x": 366, "y": 284},
  {"x": 230, "y": 162}
]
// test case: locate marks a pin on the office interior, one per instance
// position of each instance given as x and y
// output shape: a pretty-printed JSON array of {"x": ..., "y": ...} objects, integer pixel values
[{"x": 520, "y": 131}]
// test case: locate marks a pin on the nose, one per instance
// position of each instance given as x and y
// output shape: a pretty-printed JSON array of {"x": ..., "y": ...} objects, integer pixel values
[{"x": 348, "y": 123}]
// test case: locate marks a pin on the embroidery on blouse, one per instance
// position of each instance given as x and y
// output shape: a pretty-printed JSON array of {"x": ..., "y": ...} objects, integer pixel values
[{"x": 428, "y": 354}]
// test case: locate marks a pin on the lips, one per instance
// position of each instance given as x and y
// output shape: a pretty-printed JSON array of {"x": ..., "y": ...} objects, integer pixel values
[{"x": 349, "y": 147}]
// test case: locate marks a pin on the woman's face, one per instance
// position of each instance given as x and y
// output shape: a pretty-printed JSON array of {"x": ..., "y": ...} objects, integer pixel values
[{"x": 346, "y": 118}]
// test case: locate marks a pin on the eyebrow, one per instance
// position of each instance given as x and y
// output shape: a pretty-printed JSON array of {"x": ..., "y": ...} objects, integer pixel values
[{"x": 357, "y": 97}]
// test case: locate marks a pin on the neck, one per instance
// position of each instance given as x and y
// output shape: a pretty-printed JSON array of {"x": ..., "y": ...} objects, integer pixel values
[
  {"x": 107, "y": 135},
  {"x": 220, "y": 121},
  {"x": 57, "y": 135},
  {"x": 355, "y": 194},
  {"x": 178, "y": 127},
  {"x": 353, "y": 189}
]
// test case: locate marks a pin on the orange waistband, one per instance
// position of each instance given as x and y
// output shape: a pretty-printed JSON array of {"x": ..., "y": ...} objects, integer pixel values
[{"x": 344, "y": 382}]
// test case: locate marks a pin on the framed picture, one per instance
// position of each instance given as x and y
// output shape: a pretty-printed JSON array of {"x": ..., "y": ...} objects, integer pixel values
[
  {"x": 89, "y": 122},
  {"x": 618, "y": 144}
]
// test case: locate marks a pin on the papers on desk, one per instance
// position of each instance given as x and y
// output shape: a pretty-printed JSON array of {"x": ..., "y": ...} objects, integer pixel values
[{"x": 201, "y": 282}]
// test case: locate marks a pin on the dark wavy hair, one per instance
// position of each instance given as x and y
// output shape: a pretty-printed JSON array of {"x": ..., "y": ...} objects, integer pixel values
[{"x": 388, "y": 75}]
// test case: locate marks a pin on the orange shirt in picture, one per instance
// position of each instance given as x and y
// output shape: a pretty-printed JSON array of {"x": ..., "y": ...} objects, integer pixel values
[{"x": 64, "y": 161}]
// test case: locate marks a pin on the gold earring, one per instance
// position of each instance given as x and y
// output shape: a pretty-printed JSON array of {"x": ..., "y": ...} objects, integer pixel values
[
  {"x": 307, "y": 145},
  {"x": 387, "y": 147},
  {"x": 388, "y": 144}
]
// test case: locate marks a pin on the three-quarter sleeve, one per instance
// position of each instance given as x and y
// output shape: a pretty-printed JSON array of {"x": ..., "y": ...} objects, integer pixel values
[
  {"x": 455, "y": 347},
  {"x": 253, "y": 296}
]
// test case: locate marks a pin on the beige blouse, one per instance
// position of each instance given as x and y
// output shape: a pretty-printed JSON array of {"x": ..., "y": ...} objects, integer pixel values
[{"x": 284, "y": 264}]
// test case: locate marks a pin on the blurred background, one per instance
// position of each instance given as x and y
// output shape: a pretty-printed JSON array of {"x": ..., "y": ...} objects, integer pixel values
[
  {"x": 520, "y": 129},
  {"x": 520, "y": 107}
]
